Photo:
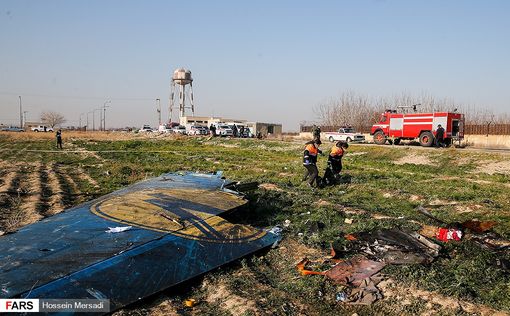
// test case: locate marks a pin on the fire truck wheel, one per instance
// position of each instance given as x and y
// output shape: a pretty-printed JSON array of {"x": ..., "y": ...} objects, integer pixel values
[
  {"x": 331, "y": 139},
  {"x": 379, "y": 138},
  {"x": 396, "y": 141},
  {"x": 426, "y": 139}
]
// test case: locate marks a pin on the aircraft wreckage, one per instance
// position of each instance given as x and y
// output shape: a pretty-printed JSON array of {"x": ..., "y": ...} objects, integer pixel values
[{"x": 129, "y": 244}]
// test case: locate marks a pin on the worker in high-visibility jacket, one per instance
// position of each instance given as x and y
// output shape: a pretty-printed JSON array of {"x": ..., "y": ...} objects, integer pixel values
[
  {"x": 332, "y": 173},
  {"x": 310, "y": 162}
]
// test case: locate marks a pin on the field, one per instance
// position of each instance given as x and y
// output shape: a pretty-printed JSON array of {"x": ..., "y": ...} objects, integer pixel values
[{"x": 383, "y": 187}]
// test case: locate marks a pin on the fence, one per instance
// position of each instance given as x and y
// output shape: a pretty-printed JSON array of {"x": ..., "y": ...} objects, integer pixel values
[{"x": 484, "y": 129}]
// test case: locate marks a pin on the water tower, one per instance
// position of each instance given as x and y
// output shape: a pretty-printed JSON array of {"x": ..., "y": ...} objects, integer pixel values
[{"x": 182, "y": 78}]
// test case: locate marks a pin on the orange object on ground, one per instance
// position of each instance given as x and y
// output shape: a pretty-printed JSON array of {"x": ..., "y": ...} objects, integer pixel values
[
  {"x": 301, "y": 267},
  {"x": 190, "y": 302}
]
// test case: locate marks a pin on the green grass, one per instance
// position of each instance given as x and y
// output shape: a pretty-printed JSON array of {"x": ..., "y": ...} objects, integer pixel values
[{"x": 377, "y": 186}]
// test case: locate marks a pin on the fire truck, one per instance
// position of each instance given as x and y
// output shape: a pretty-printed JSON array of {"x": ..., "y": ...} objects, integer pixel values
[{"x": 395, "y": 127}]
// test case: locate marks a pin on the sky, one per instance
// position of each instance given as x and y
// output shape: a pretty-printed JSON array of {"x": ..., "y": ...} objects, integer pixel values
[{"x": 269, "y": 61}]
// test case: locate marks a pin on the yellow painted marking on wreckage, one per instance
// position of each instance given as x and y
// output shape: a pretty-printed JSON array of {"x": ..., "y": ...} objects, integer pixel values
[{"x": 134, "y": 209}]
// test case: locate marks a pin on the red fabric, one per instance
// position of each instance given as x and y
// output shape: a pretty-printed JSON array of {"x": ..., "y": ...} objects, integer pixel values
[{"x": 445, "y": 234}]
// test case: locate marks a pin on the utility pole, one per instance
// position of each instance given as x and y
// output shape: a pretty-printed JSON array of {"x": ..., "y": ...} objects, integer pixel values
[
  {"x": 88, "y": 126},
  {"x": 20, "y": 114},
  {"x": 159, "y": 110},
  {"x": 80, "y": 119},
  {"x": 104, "y": 113},
  {"x": 24, "y": 119}
]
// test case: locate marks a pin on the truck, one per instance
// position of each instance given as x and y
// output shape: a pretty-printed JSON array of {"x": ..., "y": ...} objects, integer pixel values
[
  {"x": 347, "y": 134},
  {"x": 42, "y": 128},
  {"x": 395, "y": 127}
]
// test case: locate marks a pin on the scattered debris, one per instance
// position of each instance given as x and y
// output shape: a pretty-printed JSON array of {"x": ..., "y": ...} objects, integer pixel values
[
  {"x": 354, "y": 270},
  {"x": 118, "y": 229},
  {"x": 367, "y": 292},
  {"x": 374, "y": 250},
  {"x": 395, "y": 246},
  {"x": 348, "y": 220},
  {"x": 190, "y": 302},
  {"x": 286, "y": 223},
  {"x": 477, "y": 226},
  {"x": 447, "y": 234}
]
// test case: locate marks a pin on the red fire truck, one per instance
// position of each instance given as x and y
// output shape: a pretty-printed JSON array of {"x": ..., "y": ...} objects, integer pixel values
[{"x": 394, "y": 127}]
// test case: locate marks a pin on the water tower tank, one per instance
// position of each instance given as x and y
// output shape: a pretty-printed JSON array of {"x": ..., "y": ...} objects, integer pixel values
[{"x": 182, "y": 77}]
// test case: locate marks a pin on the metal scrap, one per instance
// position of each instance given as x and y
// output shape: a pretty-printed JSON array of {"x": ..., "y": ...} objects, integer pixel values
[{"x": 395, "y": 246}]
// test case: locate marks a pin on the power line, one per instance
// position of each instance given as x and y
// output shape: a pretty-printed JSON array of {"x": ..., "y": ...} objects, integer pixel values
[{"x": 75, "y": 97}]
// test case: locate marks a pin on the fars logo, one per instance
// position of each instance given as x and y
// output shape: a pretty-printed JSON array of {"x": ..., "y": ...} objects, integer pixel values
[{"x": 30, "y": 305}]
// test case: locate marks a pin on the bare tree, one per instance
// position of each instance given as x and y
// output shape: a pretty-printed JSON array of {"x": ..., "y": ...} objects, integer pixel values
[{"x": 52, "y": 118}]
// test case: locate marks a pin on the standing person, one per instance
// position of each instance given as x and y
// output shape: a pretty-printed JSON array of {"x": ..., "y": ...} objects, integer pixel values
[
  {"x": 439, "y": 136},
  {"x": 212, "y": 130},
  {"x": 234, "y": 130},
  {"x": 241, "y": 131},
  {"x": 59, "y": 138},
  {"x": 316, "y": 132},
  {"x": 310, "y": 162},
  {"x": 332, "y": 173}
]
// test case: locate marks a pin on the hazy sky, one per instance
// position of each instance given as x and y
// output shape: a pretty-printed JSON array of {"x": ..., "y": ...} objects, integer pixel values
[{"x": 269, "y": 61}]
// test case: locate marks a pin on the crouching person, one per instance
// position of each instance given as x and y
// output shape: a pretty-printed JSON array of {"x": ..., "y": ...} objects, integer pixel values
[
  {"x": 332, "y": 173},
  {"x": 310, "y": 162}
]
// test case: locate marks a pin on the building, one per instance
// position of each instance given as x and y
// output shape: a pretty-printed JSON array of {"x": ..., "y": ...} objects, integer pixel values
[{"x": 265, "y": 129}]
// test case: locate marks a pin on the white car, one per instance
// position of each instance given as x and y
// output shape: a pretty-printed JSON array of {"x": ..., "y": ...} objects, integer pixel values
[
  {"x": 198, "y": 130},
  {"x": 347, "y": 134},
  {"x": 165, "y": 129},
  {"x": 145, "y": 129},
  {"x": 224, "y": 130},
  {"x": 42, "y": 128},
  {"x": 179, "y": 130}
]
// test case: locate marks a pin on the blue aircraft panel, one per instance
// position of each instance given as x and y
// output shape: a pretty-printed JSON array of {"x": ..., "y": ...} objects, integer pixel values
[{"x": 175, "y": 234}]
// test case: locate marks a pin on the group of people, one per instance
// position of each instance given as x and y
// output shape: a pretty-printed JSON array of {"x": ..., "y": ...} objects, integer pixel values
[
  {"x": 240, "y": 131},
  {"x": 334, "y": 165}
]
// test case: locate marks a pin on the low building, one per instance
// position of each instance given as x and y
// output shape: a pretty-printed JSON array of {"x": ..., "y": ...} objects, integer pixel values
[{"x": 265, "y": 129}]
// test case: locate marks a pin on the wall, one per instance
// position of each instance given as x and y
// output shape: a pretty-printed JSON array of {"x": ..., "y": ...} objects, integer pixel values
[{"x": 491, "y": 141}]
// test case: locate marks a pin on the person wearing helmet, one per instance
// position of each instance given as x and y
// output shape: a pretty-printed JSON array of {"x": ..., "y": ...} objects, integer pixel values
[
  {"x": 310, "y": 162},
  {"x": 332, "y": 173}
]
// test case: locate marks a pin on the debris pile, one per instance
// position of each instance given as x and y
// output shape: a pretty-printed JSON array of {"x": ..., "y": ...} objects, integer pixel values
[{"x": 373, "y": 251}]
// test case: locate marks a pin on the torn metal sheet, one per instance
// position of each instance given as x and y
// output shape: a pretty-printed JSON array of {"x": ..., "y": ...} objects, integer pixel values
[
  {"x": 354, "y": 270},
  {"x": 395, "y": 246},
  {"x": 176, "y": 234}
]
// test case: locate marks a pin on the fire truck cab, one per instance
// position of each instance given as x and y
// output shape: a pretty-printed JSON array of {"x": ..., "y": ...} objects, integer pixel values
[{"x": 395, "y": 127}]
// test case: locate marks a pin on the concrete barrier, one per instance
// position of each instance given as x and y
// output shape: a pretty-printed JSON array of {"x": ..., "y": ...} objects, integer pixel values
[{"x": 491, "y": 141}]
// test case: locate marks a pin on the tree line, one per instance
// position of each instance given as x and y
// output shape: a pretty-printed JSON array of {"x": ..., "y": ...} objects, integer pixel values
[{"x": 361, "y": 111}]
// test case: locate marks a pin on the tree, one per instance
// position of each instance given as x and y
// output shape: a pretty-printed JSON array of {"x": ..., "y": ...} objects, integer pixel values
[{"x": 52, "y": 118}]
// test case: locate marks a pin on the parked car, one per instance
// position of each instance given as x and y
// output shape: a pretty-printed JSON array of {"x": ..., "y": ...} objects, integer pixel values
[
  {"x": 42, "y": 128},
  {"x": 12, "y": 129},
  {"x": 198, "y": 130},
  {"x": 347, "y": 134},
  {"x": 165, "y": 129},
  {"x": 179, "y": 130},
  {"x": 224, "y": 130},
  {"x": 145, "y": 129}
]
